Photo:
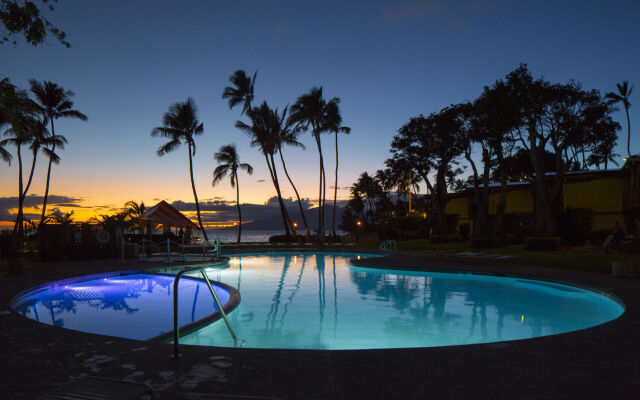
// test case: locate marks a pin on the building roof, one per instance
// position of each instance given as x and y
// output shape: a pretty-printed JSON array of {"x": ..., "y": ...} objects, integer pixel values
[{"x": 164, "y": 213}]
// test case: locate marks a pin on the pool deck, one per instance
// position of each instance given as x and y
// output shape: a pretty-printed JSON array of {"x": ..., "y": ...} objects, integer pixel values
[{"x": 598, "y": 363}]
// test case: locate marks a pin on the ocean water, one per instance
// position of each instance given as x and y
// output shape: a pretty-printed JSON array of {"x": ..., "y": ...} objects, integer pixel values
[
  {"x": 230, "y": 236},
  {"x": 249, "y": 236}
]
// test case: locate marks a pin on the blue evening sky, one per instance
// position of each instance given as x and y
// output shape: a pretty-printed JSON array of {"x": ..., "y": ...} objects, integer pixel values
[{"x": 386, "y": 60}]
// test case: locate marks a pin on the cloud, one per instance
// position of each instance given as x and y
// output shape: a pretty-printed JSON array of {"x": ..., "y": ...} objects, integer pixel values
[{"x": 35, "y": 201}]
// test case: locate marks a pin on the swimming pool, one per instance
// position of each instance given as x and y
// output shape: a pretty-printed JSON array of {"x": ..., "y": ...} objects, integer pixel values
[
  {"x": 321, "y": 301},
  {"x": 131, "y": 305}
]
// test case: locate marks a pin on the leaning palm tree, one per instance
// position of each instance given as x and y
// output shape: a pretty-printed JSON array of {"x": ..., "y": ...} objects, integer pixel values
[
  {"x": 181, "y": 123},
  {"x": 53, "y": 102},
  {"x": 624, "y": 91},
  {"x": 309, "y": 111},
  {"x": 333, "y": 123},
  {"x": 229, "y": 163},
  {"x": 242, "y": 90},
  {"x": 288, "y": 135},
  {"x": 264, "y": 133}
]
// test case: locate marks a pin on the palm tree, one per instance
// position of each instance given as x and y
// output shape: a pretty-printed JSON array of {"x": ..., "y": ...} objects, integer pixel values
[
  {"x": 264, "y": 132},
  {"x": 333, "y": 123},
  {"x": 228, "y": 163},
  {"x": 624, "y": 91},
  {"x": 135, "y": 211},
  {"x": 181, "y": 123},
  {"x": 289, "y": 136},
  {"x": 53, "y": 102},
  {"x": 309, "y": 111},
  {"x": 18, "y": 135},
  {"x": 242, "y": 90}
]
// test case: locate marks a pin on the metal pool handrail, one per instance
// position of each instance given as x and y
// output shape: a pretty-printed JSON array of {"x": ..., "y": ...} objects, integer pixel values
[
  {"x": 389, "y": 245},
  {"x": 176, "y": 328}
]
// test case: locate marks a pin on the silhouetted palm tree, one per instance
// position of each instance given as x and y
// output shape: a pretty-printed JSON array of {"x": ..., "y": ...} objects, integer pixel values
[
  {"x": 333, "y": 123},
  {"x": 53, "y": 102},
  {"x": 228, "y": 163},
  {"x": 264, "y": 132},
  {"x": 624, "y": 91},
  {"x": 289, "y": 136},
  {"x": 135, "y": 211},
  {"x": 242, "y": 90},
  {"x": 181, "y": 123},
  {"x": 309, "y": 110},
  {"x": 18, "y": 135}
]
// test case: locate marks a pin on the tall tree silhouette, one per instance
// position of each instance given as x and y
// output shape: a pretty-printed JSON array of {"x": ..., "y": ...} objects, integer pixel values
[
  {"x": 265, "y": 132},
  {"x": 624, "y": 92},
  {"x": 309, "y": 111},
  {"x": 180, "y": 124},
  {"x": 53, "y": 102},
  {"x": 288, "y": 135},
  {"x": 242, "y": 90},
  {"x": 333, "y": 123},
  {"x": 229, "y": 163}
]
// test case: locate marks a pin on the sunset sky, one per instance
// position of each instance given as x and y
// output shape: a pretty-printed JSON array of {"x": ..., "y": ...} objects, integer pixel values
[{"x": 386, "y": 60}]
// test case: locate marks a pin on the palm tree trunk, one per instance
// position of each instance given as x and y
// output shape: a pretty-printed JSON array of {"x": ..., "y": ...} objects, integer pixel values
[
  {"x": 304, "y": 219},
  {"x": 18, "y": 224},
  {"x": 238, "y": 206},
  {"x": 335, "y": 193},
  {"x": 626, "y": 110},
  {"x": 195, "y": 196},
  {"x": 46, "y": 189},
  {"x": 316, "y": 134},
  {"x": 33, "y": 166},
  {"x": 282, "y": 209},
  {"x": 285, "y": 213}
]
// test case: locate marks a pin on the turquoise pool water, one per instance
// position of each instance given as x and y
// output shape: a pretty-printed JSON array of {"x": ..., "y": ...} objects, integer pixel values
[
  {"x": 320, "y": 301},
  {"x": 133, "y": 305},
  {"x": 306, "y": 301}
]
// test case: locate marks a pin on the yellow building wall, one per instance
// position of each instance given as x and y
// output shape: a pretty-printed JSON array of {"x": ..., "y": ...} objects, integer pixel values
[
  {"x": 603, "y": 196},
  {"x": 459, "y": 206},
  {"x": 517, "y": 201}
]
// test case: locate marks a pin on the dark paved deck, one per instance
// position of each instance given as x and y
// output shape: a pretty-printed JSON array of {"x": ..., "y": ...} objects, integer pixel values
[{"x": 599, "y": 363}]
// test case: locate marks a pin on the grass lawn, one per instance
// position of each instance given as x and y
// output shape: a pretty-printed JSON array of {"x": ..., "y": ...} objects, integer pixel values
[{"x": 574, "y": 258}]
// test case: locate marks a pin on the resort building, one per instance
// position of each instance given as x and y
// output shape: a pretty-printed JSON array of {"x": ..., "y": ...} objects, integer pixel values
[{"x": 611, "y": 196}]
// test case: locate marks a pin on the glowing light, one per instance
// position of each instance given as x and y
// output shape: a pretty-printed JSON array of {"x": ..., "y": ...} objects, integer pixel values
[
  {"x": 358, "y": 223},
  {"x": 358, "y": 257},
  {"x": 295, "y": 224},
  {"x": 522, "y": 320}
]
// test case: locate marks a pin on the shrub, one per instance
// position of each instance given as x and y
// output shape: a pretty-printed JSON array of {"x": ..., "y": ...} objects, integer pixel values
[
  {"x": 464, "y": 230},
  {"x": 543, "y": 243},
  {"x": 488, "y": 242},
  {"x": 576, "y": 224},
  {"x": 519, "y": 225}
]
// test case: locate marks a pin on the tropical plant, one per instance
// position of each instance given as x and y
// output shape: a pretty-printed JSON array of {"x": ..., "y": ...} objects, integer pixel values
[
  {"x": 229, "y": 163},
  {"x": 22, "y": 17},
  {"x": 288, "y": 135},
  {"x": 624, "y": 92},
  {"x": 310, "y": 111},
  {"x": 18, "y": 135},
  {"x": 181, "y": 123},
  {"x": 58, "y": 217},
  {"x": 333, "y": 124},
  {"x": 53, "y": 102},
  {"x": 264, "y": 131},
  {"x": 135, "y": 211},
  {"x": 242, "y": 90}
]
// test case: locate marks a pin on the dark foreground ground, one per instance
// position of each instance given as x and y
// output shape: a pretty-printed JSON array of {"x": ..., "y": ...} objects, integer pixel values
[{"x": 598, "y": 363}]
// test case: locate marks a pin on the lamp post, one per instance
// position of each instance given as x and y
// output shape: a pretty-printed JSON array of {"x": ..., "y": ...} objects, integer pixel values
[{"x": 358, "y": 225}]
